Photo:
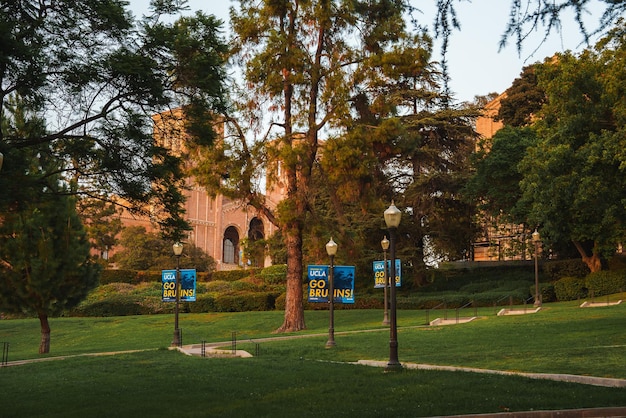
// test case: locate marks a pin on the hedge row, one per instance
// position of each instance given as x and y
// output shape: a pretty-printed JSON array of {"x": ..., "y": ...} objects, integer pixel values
[
  {"x": 129, "y": 304},
  {"x": 136, "y": 276},
  {"x": 595, "y": 284},
  {"x": 556, "y": 270}
]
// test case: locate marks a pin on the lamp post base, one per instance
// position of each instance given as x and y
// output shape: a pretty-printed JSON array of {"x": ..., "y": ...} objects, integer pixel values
[
  {"x": 393, "y": 367},
  {"x": 330, "y": 344},
  {"x": 176, "y": 340}
]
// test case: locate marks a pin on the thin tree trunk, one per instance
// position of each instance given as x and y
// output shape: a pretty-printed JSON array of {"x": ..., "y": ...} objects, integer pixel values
[{"x": 44, "y": 346}]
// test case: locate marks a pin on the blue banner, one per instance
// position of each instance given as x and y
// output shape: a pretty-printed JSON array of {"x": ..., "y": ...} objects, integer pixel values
[
  {"x": 379, "y": 273},
  {"x": 187, "y": 285},
  {"x": 343, "y": 283}
]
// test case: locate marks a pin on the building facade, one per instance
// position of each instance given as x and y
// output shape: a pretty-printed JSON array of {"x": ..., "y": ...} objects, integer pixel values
[{"x": 219, "y": 225}]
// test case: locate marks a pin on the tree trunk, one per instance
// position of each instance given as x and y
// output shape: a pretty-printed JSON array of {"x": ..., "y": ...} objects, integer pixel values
[
  {"x": 294, "y": 311},
  {"x": 593, "y": 262},
  {"x": 44, "y": 346}
]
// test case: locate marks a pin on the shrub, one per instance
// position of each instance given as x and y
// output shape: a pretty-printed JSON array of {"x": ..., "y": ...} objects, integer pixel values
[
  {"x": 245, "y": 301},
  {"x": 204, "y": 303},
  {"x": 369, "y": 302},
  {"x": 232, "y": 275},
  {"x": 565, "y": 268},
  {"x": 219, "y": 286},
  {"x": 148, "y": 276},
  {"x": 279, "y": 303},
  {"x": 113, "y": 305},
  {"x": 118, "y": 276},
  {"x": 276, "y": 274},
  {"x": 617, "y": 262},
  {"x": 547, "y": 292},
  {"x": 243, "y": 285},
  {"x": 570, "y": 288},
  {"x": 605, "y": 282}
]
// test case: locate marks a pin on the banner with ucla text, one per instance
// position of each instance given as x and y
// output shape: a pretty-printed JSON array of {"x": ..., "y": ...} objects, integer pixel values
[
  {"x": 343, "y": 281},
  {"x": 379, "y": 273},
  {"x": 187, "y": 285}
]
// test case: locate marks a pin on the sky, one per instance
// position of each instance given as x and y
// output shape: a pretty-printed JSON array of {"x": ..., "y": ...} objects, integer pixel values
[{"x": 475, "y": 63}]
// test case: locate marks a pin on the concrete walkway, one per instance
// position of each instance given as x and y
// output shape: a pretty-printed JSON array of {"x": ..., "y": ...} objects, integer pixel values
[{"x": 220, "y": 349}]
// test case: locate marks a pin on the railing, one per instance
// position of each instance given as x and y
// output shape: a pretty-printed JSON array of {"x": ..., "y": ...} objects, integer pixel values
[
  {"x": 433, "y": 309},
  {"x": 445, "y": 311},
  {"x": 233, "y": 344},
  {"x": 497, "y": 302},
  {"x": 593, "y": 297},
  {"x": 5, "y": 354},
  {"x": 471, "y": 302}
]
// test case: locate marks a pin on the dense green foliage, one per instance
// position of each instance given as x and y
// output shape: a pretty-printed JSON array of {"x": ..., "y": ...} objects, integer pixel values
[
  {"x": 99, "y": 77},
  {"x": 148, "y": 251}
]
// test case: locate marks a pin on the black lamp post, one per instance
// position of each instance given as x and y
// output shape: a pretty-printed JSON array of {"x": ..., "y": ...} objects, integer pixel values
[
  {"x": 536, "y": 240},
  {"x": 385, "y": 244},
  {"x": 178, "y": 250},
  {"x": 331, "y": 250},
  {"x": 392, "y": 220}
]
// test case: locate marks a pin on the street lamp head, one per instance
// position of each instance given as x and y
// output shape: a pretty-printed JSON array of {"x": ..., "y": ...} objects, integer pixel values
[
  {"x": 392, "y": 216},
  {"x": 536, "y": 236},
  {"x": 331, "y": 247},
  {"x": 178, "y": 248},
  {"x": 385, "y": 243}
]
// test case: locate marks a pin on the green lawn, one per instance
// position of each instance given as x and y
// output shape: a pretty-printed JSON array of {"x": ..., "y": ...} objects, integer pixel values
[{"x": 300, "y": 377}]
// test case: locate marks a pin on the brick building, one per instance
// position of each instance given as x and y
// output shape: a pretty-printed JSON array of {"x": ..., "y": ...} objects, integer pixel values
[{"x": 219, "y": 224}]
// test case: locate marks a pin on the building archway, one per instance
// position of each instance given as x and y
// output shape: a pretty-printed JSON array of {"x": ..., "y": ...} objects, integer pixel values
[
  {"x": 256, "y": 246},
  {"x": 230, "y": 246}
]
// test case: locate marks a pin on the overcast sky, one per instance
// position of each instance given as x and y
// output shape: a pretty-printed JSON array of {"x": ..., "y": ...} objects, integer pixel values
[{"x": 475, "y": 65}]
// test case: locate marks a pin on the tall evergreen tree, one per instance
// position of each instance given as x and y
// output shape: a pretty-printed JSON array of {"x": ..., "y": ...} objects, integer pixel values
[
  {"x": 300, "y": 74},
  {"x": 45, "y": 265}
]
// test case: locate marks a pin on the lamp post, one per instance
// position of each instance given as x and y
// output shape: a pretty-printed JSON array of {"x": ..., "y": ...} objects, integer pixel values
[
  {"x": 392, "y": 220},
  {"x": 385, "y": 244},
  {"x": 331, "y": 250},
  {"x": 536, "y": 240},
  {"x": 178, "y": 250}
]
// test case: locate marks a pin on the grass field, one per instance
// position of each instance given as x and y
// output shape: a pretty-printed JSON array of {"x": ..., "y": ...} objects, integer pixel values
[{"x": 299, "y": 377}]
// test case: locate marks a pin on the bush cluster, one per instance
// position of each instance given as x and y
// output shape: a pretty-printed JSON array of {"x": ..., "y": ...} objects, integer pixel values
[
  {"x": 556, "y": 270},
  {"x": 600, "y": 283},
  {"x": 233, "y": 275},
  {"x": 606, "y": 282},
  {"x": 570, "y": 288},
  {"x": 276, "y": 274}
]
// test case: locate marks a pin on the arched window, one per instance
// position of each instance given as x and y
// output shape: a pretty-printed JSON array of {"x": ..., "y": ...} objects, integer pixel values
[
  {"x": 256, "y": 250},
  {"x": 231, "y": 246}
]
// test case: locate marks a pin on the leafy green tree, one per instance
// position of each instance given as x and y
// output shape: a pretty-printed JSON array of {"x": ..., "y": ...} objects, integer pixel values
[
  {"x": 100, "y": 76},
  {"x": 410, "y": 144},
  {"x": 574, "y": 177},
  {"x": 523, "y": 100},
  {"x": 495, "y": 183},
  {"x": 102, "y": 221},
  {"x": 148, "y": 251}
]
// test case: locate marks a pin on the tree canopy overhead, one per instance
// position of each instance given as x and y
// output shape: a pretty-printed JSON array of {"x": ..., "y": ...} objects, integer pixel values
[{"x": 97, "y": 76}]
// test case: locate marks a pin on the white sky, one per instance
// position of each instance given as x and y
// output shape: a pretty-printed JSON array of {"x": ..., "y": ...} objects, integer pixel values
[{"x": 474, "y": 63}]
